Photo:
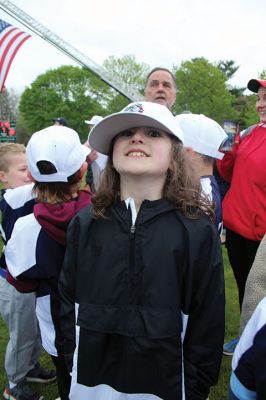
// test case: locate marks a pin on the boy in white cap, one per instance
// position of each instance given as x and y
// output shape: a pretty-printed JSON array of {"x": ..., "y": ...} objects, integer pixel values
[
  {"x": 35, "y": 251},
  {"x": 142, "y": 276},
  {"x": 202, "y": 138}
]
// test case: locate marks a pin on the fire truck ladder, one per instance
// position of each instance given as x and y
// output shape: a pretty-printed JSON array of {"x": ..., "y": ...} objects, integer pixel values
[{"x": 69, "y": 50}]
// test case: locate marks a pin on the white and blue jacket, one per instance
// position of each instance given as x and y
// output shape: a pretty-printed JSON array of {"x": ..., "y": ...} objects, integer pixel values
[{"x": 248, "y": 379}]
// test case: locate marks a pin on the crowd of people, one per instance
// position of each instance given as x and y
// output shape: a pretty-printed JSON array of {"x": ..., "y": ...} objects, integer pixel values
[{"x": 120, "y": 279}]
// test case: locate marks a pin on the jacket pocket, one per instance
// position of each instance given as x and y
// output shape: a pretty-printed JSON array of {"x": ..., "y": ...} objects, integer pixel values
[{"x": 130, "y": 320}]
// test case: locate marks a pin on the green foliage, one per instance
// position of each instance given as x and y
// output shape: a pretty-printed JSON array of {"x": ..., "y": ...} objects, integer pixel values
[
  {"x": 128, "y": 70},
  {"x": 249, "y": 114},
  {"x": 202, "y": 90},
  {"x": 70, "y": 92},
  {"x": 263, "y": 74},
  {"x": 77, "y": 94},
  {"x": 117, "y": 103},
  {"x": 23, "y": 134},
  {"x": 228, "y": 68}
]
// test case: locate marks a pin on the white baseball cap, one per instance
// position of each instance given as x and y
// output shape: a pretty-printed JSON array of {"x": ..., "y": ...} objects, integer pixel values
[
  {"x": 202, "y": 134},
  {"x": 138, "y": 114},
  {"x": 94, "y": 120},
  {"x": 60, "y": 146}
]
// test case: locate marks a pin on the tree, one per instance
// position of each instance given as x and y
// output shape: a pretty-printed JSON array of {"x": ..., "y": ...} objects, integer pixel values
[
  {"x": 131, "y": 73},
  {"x": 77, "y": 94},
  {"x": 202, "y": 90},
  {"x": 22, "y": 131},
  {"x": 228, "y": 68},
  {"x": 249, "y": 115},
  {"x": 128, "y": 70},
  {"x": 9, "y": 101},
  {"x": 71, "y": 92}
]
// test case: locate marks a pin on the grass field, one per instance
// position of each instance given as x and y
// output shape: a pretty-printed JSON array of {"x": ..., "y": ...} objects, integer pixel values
[{"x": 219, "y": 392}]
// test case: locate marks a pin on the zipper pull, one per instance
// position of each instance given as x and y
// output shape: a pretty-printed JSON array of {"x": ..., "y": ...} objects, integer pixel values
[{"x": 132, "y": 229}]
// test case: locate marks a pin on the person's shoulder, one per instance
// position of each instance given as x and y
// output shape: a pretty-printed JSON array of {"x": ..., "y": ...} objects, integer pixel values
[
  {"x": 82, "y": 218},
  {"x": 25, "y": 231},
  {"x": 26, "y": 224},
  {"x": 19, "y": 196},
  {"x": 20, "y": 251},
  {"x": 200, "y": 221},
  {"x": 199, "y": 230},
  {"x": 79, "y": 225},
  {"x": 84, "y": 212}
]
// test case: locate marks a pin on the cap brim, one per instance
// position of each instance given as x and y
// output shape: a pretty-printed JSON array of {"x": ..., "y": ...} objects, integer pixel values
[
  {"x": 102, "y": 134},
  {"x": 255, "y": 84},
  {"x": 87, "y": 122}
]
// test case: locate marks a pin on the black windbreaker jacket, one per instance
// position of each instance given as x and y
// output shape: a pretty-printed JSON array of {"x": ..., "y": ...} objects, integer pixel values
[{"x": 146, "y": 301}]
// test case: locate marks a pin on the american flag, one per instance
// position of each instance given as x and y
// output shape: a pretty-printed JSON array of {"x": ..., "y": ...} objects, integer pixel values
[{"x": 11, "y": 38}]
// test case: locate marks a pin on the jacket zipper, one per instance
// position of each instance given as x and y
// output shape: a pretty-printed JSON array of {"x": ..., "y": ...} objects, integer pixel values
[{"x": 132, "y": 261}]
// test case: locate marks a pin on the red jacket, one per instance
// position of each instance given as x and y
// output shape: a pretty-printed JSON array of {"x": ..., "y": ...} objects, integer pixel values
[{"x": 244, "y": 206}]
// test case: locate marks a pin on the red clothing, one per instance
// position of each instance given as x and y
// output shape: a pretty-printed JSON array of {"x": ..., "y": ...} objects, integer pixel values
[{"x": 244, "y": 206}]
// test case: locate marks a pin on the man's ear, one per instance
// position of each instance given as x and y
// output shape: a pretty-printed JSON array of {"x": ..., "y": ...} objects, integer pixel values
[
  {"x": 30, "y": 176},
  {"x": 3, "y": 177}
]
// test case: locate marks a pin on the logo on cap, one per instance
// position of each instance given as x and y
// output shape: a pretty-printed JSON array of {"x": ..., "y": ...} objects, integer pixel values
[{"x": 136, "y": 108}]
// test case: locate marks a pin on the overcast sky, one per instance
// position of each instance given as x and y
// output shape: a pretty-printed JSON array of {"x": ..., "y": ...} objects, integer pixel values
[{"x": 157, "y": 32}]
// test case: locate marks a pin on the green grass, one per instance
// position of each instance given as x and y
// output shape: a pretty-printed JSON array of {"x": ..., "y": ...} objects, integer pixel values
[{"x": 219, "y": 392}]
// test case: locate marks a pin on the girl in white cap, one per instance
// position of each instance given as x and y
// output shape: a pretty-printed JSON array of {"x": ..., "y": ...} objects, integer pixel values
[{"x": 142, "y": 278}]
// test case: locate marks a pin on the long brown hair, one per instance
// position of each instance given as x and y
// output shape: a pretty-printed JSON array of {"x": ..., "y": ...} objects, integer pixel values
[
  {"x": 182, "y": 186},
  {"x": 55, "y": 191}
]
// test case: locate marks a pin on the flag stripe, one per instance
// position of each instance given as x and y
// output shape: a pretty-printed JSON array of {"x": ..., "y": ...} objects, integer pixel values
[
  {"x": 11, "y": 39},
  {"x": 7, "y": 44},
  {"x": 5, "y": 33},
  {"x": 8, "y": 62}
]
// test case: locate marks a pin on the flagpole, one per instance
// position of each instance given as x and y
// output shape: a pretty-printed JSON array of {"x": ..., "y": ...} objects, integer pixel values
[{"x": 66, "y": 48}]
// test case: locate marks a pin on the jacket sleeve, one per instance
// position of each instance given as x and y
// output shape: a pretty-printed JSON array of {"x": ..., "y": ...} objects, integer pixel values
[
  {"x": 248, "y": 364},
  {"x": 16, "y": 203},
  {"x": 66, "y": 288},
  {"x": 204, "y": 302},
  {"x": 19, "y": 256},
  {"x": 21, "y": 286}
]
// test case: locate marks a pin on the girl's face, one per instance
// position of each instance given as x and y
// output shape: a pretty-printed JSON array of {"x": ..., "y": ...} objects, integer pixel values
[
  {"x": 261, "y": 104},
  {"x": 142, "y": 152}
]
